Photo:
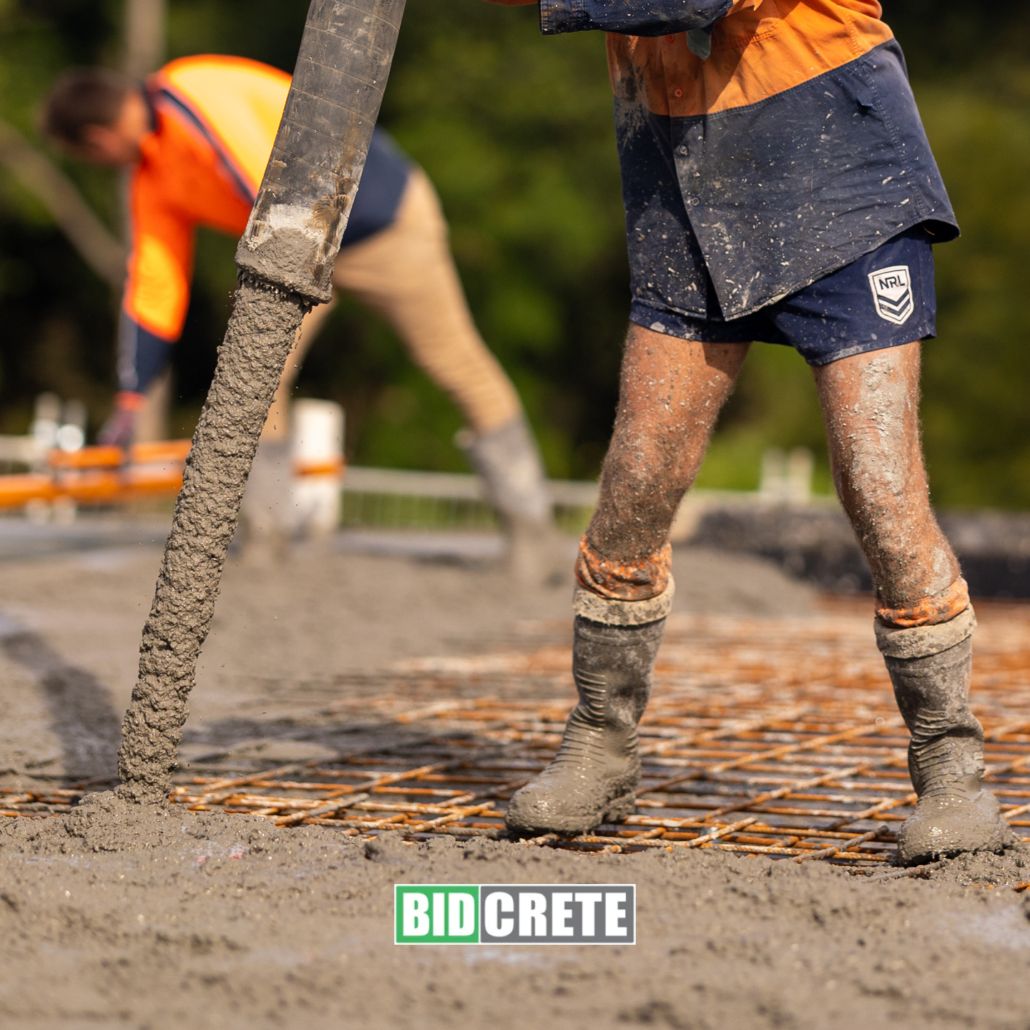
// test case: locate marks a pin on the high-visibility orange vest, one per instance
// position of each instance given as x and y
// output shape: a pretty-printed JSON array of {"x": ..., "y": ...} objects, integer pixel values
[{"x": 214, "y": 121}]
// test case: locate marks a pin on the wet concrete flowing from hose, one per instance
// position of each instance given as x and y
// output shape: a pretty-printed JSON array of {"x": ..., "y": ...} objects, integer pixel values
[{"x": 261, "y": 332}]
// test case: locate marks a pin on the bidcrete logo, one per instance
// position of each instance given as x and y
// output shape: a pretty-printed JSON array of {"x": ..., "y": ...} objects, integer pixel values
[{"x": 520, "y": 913}]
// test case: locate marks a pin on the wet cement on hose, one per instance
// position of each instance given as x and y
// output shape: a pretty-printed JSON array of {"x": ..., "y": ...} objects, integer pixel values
[{"x": 262, "y": 330}]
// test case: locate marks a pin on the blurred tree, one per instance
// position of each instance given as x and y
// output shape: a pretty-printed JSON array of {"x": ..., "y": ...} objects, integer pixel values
[
  {"x": 40, "y": 176},
  {"x": 144, "y": 36}
]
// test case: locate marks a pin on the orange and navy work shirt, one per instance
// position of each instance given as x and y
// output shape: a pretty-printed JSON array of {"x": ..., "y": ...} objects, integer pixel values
[
  {"x": 213, "y": 123},
  {"x": 764, "y": 144}
]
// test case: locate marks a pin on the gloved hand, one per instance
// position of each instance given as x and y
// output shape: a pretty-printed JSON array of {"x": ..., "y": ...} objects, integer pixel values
[{"x": 120, "y": 427}]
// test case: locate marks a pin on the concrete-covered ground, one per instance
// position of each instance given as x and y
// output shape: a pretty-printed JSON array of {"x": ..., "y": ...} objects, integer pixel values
[{"x": 163, "y": 918}]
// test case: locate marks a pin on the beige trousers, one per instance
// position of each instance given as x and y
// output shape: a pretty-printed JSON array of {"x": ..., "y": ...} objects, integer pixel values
[{"x": 406, "y": 273}]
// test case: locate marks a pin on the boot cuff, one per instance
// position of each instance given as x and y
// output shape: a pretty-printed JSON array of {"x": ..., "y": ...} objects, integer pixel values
[
  {"x": 923, "y": 641},
  {"x": 641, "y": 579},
  {"x": 590, "y": 606},
  {"x": 941, "y": 607}
]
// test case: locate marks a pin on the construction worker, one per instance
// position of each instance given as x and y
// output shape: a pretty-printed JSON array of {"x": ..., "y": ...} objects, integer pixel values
[
  {"x": 197, "y": 135},
  {"x": 778, "y": 186}
]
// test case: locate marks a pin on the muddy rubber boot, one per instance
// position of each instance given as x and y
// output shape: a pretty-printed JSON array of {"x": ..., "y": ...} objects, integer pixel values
[
  {"x": 930, "y": 668},
  {"x": 594, "y": 776},
  {"x": 508, "y": 462},
  {"x": 265, "y": 511}
]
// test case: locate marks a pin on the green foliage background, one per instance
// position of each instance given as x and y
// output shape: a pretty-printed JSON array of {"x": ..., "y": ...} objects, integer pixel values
[{"x": 515, "y": 131}]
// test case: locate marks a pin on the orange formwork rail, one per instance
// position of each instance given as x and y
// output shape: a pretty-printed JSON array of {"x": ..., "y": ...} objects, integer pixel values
[{"x": 102, "y": 475}]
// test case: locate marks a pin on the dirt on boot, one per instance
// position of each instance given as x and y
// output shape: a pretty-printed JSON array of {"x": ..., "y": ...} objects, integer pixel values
[
  {"x": 954, "y": 814},
  {"x": 594, "y": 776},
  {"x": 952, "y": 823}
]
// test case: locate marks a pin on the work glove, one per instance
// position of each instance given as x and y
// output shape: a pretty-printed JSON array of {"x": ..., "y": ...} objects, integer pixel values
[{"x": 120, "y": 427}]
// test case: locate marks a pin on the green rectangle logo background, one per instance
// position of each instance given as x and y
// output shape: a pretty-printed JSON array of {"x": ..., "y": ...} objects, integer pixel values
[
  {"x": 571, "y": 927},
  {"x": 444, "y": 890}
]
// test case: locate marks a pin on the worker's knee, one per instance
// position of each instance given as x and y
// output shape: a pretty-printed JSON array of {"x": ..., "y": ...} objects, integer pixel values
[{"x": 646, "y": 462}]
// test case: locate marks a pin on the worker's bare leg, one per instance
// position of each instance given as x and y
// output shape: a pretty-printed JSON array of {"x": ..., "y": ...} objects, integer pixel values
[
  {"x": 406, "y": 272},
  {"x": 924, "y": 621},
  {"x": 670, "y": 396}
]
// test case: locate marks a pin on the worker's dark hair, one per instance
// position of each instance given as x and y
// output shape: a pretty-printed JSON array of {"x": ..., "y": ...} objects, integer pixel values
[{"x": 81, "y": 97}]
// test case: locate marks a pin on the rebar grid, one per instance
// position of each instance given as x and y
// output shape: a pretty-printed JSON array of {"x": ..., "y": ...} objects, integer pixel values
[{"x": 764, "y": 736}]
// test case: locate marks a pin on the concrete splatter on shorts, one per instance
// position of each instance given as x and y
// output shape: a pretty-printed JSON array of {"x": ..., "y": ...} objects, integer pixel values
[{"x": 884, "y": 299}]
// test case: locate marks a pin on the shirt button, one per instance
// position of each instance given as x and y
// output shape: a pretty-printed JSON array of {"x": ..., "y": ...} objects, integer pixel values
[{"x": 677, "y": 92}]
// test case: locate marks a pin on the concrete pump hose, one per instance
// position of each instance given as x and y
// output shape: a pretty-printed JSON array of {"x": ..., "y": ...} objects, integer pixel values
[
  {"x": 285, "y": 260},
  {"x": 298, "y": 220}
]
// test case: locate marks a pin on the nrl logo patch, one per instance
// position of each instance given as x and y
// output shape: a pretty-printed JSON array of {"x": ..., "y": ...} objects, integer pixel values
[{"x": 892, "y": 294}]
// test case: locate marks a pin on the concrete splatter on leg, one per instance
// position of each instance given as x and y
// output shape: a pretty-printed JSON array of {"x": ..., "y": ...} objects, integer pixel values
[
  {"x": 924, "y": 622},
  {"x": 871, "y": 407},
  {"x": 671, "y": 394}
]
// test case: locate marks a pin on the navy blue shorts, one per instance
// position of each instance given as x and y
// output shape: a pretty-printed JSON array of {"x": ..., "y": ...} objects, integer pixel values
[{"x": 884, "y": 299}]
